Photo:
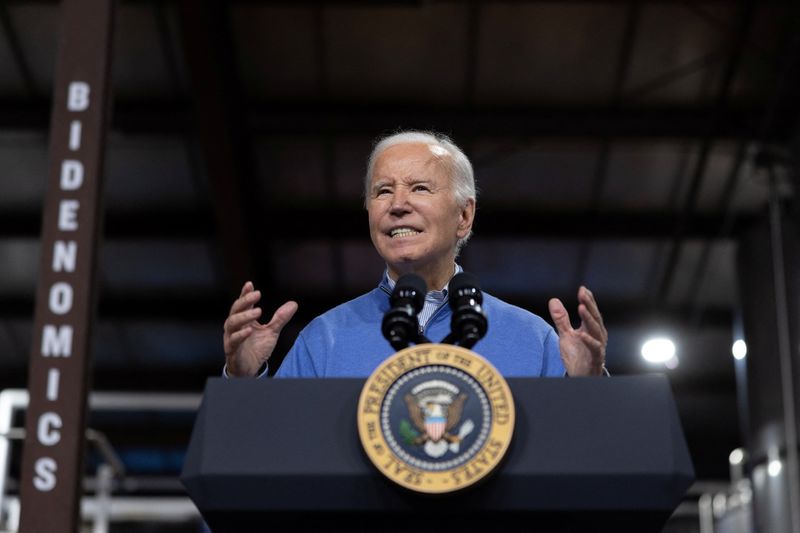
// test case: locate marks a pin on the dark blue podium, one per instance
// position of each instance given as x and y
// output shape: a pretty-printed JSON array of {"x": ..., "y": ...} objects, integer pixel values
[{"x": 588, "y": 454}]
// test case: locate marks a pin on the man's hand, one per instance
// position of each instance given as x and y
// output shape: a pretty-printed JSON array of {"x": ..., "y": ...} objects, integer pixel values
[
  {"x": 583, "y": 350},
  {"x": 248, "y": 344}
]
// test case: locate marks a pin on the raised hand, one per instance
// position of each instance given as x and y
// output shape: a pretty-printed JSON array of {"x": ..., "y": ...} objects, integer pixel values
[
  {"x": 583, "y": 350},
  {"x": 248, "y": 343}
]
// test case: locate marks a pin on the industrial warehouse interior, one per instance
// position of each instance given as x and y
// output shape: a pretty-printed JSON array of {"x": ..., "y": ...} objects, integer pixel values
[{"x": 645, "y": 149}]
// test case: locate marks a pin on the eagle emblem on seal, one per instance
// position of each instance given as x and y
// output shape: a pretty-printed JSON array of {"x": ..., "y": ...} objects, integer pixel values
[{"x": 435, "y": 408}]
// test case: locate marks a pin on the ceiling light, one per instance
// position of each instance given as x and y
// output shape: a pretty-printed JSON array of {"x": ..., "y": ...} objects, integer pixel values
[
  {"x": 774, "y": 468},
  {"x": 659, "y": 350},
  {"x": 739, "y": 349},
  {"x": 736, "y": 457}
]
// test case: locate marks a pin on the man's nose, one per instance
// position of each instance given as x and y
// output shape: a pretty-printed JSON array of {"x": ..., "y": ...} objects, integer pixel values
[{"x": 400, "y": 203}]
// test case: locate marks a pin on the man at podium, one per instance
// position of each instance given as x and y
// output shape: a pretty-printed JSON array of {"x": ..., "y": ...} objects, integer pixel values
[{"x": 420, "y": 198}]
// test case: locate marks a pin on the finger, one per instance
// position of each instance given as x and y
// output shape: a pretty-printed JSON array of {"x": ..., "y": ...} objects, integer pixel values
[
  {"x": 235, "y": 322},
  {"x": 559, "y": 315},
  {"x": 283, "y": 315},
  {"x": 245, "y": 302},
  {"x": 596, "y": 347},
  {"x": 590, "y": 324},
  {"x": 586, "y": 297},
  {"x": 247, "y": 287},
  {"x": 233, "y": 341}
]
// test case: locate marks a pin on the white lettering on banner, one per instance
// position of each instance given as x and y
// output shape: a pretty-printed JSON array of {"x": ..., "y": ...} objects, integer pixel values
[
  {"x": 53, "y": 377},
  {"x": 47, "y": 430},
  {"x": 60, "y": 298},
  {"x": 71, "y": 175},
  {"x": 57, "y": 340},
  {"x": 78, "y": 96},
  {"x": 64, "y": 254},
  {"x": 45, "y": 478},
  {"x": 68, "y": 215},
  {"x": 75, "y": 135}
]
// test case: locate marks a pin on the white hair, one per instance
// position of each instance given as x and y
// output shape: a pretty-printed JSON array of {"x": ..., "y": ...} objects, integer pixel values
[{"x": 457, "y": 165}]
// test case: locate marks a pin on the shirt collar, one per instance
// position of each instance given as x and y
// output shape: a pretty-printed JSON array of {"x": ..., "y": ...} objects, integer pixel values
[{"x": 389, "y": 283}]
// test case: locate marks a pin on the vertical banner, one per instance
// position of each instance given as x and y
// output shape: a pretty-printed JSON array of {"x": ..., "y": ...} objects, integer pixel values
[{"x": 58, "y": 376}]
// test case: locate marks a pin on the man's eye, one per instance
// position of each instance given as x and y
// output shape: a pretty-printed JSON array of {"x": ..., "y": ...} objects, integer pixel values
[
  {"x": 382, "y": 192},
  {"x": 423, "y": 188}
]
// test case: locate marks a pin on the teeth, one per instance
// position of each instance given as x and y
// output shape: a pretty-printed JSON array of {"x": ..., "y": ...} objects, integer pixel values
[{"x": 403, "y": 232}]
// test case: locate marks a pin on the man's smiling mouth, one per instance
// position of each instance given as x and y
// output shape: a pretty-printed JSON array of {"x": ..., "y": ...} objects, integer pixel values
[{"x": 403, "y": 232}]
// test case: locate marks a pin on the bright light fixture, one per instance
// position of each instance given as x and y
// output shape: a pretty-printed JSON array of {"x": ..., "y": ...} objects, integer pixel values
[
  {"x": 774, "y": 467},
  {"x": 736, "y": 457},
  {"x": 658, "y": 350},
  {"x": 739, "y": 349}
]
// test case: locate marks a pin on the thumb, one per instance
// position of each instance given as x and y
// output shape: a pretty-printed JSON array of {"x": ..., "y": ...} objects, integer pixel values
[
  {"x": 282, "y": 316},
  {"x": 559, "y": 315}
]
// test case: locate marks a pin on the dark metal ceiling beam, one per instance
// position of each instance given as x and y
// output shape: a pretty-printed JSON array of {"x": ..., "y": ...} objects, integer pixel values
[
  {"x": 308, "y": 223},
  {"x": 16, "y": 52},
  {"x": 205, "y": 306},
  {"x": 735, "y": 44},
  {"x": 207, "y": 47},
  {"x": 296, "y": 119},
  {"x": 601, "y": 166}
]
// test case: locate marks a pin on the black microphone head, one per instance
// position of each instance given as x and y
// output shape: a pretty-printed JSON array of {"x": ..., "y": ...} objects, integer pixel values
[
  {"x": 464, "y": 284},
  {"x": 411, "y": 288}
]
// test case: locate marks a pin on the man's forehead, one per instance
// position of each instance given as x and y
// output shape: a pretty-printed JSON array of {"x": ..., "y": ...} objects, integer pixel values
[{"x": 414, "y": 148}]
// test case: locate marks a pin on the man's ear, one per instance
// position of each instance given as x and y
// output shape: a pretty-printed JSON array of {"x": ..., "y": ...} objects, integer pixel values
[{"x": 466, "y": 217}]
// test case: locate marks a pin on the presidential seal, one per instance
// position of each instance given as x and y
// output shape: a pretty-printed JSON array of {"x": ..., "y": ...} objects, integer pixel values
[{"x": 435, "y": 418}]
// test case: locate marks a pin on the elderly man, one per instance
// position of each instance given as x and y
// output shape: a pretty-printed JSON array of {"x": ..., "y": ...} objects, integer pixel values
[{"x": 420, "y": 198}]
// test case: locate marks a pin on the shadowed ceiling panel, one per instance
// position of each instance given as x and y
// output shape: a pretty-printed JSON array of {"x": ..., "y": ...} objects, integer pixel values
[
  {"x": 139, "y": 68},
  {"x": 276, "y": 50},
  {"x": 545, "y": 174},
  {"x": 11, "y": 82},
  {"x": 718, "y": 285},
  {"x": 620, "y": 269},
  {"x": 24, "y": 170},
  {"x": 38, "y": 28},
  {"x": 752, "y": 191},
  {"x": 407, "y": 54},
  {"x": 306, "y": 266},
  {"x": 149, "y": 173},
  {"x": 362, "y": 267},
  {"x": 524, "y": 267},
  {"x": 351, "y": 166},
  {"x": 678, "y": 53},
  {"x": 292, "y": 169},
  {"x": 644, "y": 176},
  {"x": 719, "y": 282},
  {"x": 551, "y": 52},
  {"x": 172, "y": 344},
  {"x": 758, "y": 75},
  {"x": 156, "y": 265},
  {"x": 19, "y": 266},
  {"x": 721, "y": 161}
]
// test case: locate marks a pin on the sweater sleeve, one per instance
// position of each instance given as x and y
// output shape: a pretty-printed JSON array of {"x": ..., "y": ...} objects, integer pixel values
[
  {"x": 298, "y": 362},
  {"x": 552, "y": 365}
]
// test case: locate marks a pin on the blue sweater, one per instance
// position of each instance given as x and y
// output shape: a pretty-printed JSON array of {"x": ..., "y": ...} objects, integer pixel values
[{"x": 347, "y": 341}]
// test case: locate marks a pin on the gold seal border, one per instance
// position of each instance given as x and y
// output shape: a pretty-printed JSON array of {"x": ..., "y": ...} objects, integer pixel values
[{"x": 483, "y": 462}]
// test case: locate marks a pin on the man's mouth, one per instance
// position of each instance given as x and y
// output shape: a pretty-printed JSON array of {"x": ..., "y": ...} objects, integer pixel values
[{"x": 403, "y": 232}]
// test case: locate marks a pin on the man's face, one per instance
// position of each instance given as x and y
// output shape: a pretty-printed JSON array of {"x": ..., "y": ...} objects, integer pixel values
[{"x": 414, "y": 219}]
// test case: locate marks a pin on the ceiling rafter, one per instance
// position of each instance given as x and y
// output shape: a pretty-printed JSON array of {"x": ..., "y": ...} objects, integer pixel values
[
  {"x": 492, "y": 222},
  {"x": 208, "y": 50},
  {"x": 600, "y": 177},
  {"x": 735, "y": 44},
  {"x": 18, "y": 55},
  {"x": 316, "y": 119}
]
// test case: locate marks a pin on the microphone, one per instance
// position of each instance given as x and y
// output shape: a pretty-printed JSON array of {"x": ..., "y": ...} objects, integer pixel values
[
  {"x": 400, "y": 325},
  {"x": 469, "y": 323}
]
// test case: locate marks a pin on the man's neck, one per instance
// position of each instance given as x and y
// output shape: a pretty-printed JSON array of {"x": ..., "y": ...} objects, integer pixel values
[{"x": 435, "y": 279}]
